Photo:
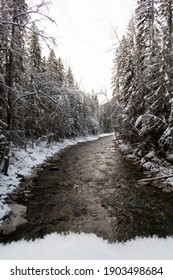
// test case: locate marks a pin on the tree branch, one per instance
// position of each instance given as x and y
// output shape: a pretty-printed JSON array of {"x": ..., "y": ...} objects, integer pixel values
[
  {"x": 154, "y": 178},
  {"x": 29, "y": 28}
]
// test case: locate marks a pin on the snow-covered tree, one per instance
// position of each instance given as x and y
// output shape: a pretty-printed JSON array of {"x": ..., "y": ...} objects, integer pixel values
[
  {"x": 124, "y": 83},
  {"x": 12, "y": 19},
  {"x": 60, "y": 73},
  {"x": 142, "y": 76},
  {"x": 4, "y": 143},
  {"x": 34, "y": 51},
  {"x": 52, "y": 62},
  {"x": 14, "y": 22},
  {"x": 70, "y": 79},
  {"x": 38, "y": 97}
]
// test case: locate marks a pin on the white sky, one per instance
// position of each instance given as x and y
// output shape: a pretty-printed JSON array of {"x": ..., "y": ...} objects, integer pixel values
[{"x": 84, "y": 37}]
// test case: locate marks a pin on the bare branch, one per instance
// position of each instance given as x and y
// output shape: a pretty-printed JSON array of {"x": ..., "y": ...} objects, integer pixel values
[
  {"x": 39, "y": 13},
  {"x": 119, "y": 41},
  {"x": 22, "y": 96},
  {"x": 40, "y": 33}
]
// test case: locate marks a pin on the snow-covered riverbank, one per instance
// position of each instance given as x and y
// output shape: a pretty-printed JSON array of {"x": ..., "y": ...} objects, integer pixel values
[
  {"x": 152, "y": 166},
  {"x": 23, "y": 162},
  {"x": 87, "y": 247}
]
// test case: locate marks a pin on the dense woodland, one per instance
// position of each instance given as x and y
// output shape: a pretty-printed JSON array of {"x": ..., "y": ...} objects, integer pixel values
[
  {"x": 143, "y": 78},
  {"x": 39, "y": 98}
]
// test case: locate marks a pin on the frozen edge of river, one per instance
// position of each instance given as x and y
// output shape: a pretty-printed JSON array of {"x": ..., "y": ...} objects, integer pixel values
[{"x": 24, "y": 162}]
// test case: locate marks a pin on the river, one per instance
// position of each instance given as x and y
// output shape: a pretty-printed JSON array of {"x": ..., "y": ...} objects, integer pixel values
[{"x": 92, "y": 188}]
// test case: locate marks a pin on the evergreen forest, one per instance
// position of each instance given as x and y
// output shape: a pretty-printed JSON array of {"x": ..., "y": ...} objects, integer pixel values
[
  {"x": 143, "y": 79},
  {"x": 39, "y": 97}
]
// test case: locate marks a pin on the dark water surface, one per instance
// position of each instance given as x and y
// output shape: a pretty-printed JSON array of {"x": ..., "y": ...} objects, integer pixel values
[{"x": 91, "y": 188}]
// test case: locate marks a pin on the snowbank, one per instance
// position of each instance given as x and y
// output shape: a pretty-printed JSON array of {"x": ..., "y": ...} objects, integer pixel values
[
  {"x": 87, "y": 247},
  {"x": 24, "y": 161},
  {"x": 151, "y": 165}
]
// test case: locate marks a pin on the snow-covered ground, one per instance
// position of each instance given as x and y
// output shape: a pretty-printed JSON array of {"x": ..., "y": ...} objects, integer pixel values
[
  {"x": 23, "y": 162},
  {"x": 154, "y": 166},
  {"x": 87, "y": 247}
]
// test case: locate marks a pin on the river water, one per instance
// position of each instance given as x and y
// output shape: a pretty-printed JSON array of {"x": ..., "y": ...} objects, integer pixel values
[{"x": 91, "y": 188}]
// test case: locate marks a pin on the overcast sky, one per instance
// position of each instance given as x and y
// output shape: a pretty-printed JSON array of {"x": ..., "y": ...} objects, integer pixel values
[{"x": 85, "y": 39}]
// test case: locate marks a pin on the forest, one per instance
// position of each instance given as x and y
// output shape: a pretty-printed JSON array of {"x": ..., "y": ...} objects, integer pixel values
[
  {"x": 39, "y": 98},
  {"x": 143, "y": 79}
]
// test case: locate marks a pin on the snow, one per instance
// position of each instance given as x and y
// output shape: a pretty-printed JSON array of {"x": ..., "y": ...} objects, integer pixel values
[
  {"x": 23, "y": 162},
  {"x": 150, "y": 162},
  {"x": 150, "y": 155},
  {"x": 138, "y": 121},
  {"x": 87, "y": 247}
]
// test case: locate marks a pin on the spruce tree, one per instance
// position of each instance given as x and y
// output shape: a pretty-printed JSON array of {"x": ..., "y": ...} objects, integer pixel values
[
  {"x": 52, "y": 62},
  {"x": 13, "y": 19},
  {"x": 34, "y": 51},
  {"x": 70, "y": 79},
  {"x": 60, "y": 73}
]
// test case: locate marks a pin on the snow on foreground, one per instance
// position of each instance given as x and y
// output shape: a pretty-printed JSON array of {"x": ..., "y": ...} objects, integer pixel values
[
  {"x": 87, "y": 247},
  {"x": 23, "y": 162}
]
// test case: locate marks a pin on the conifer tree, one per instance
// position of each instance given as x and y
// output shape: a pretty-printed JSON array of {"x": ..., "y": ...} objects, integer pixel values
[
  {"x": 70, "y": 78},
  {"x": 34, "y": 52},
  {"x": 13, "y": 19},
  {"x": 52, "y": 63},
  {"x": 143, "y": 102},
  {"x": 60, "y": 73},
  {"x": 166, "y": 13},
  {"x": 4, "y": 144}
]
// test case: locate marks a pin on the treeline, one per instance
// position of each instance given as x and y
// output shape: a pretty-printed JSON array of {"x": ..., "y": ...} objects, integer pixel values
[
  {"x": 143, "y": 78},
  {"x": 38, "y": 96}
]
